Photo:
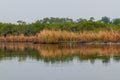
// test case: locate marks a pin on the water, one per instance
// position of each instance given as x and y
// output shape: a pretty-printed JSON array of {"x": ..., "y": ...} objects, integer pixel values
[{"x": 20, "y": 61}]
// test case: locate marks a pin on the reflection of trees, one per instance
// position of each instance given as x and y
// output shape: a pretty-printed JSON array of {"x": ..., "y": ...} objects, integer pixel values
[
  {"x": 22, "y": 55},
  {"x": 59, "y": 53}
]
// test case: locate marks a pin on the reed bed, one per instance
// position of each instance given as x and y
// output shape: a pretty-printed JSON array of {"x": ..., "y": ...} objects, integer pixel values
[
  {"x": 19, "y": 38},
  {"x": 52, "y": 36}
]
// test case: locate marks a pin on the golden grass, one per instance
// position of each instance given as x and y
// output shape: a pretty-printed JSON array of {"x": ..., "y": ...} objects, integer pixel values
[
  {"x": 19, "y": 38},
  {"x": 47, "y": 36},
  {"x": 52, "y": 36}
]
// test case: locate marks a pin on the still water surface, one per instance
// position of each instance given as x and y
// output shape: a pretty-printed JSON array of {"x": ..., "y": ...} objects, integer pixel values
[{"x": 20, "y": 61}]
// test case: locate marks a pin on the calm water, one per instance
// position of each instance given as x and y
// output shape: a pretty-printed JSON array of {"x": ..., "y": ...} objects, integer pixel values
[{"x": 59, "y": 62}]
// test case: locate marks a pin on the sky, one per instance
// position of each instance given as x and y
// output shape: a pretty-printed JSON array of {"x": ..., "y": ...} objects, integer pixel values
[{"x": 32, "y": 10}]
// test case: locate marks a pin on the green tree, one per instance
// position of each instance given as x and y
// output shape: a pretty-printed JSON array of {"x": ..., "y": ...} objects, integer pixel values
[
  {"x": 81, "y": 20},
  {"x": 105, "y": 19},
  {"x": 116, "y": 21},
  {"x": 91, "y": 19},
  {"x": 21, "y": 22}
]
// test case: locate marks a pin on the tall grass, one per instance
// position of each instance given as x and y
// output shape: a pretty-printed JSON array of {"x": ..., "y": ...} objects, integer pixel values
[
  {"x": 52, "y": 36},
  {"x": 47, "y": 36},
  {"x": 19, "y": 38}
]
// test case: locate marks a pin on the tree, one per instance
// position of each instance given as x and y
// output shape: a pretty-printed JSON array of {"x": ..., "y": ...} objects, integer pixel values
[
  {"x": 105, "y": 19},
  {"x": 21, "y": 22},
  {"x": 91, "y": 19},
  {"x": 116, "y": 21},
  {"x": 81, "y": 20}
]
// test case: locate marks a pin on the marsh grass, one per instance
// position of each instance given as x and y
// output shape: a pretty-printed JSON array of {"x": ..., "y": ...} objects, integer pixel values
[
  {"x": 47, "y": 36},
  {"x": 53, "y": 36}
]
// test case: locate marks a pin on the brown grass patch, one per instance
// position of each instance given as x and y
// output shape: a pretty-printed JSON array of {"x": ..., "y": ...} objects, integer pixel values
[{"x": 52, "y": 36}]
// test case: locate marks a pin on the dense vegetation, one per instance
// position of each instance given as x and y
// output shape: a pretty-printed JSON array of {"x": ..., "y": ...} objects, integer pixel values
[{"x": 27, "y": 29}]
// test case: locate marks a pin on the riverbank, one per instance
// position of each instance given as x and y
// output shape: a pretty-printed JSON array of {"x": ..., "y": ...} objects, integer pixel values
[{"x": 61, "y": 37}]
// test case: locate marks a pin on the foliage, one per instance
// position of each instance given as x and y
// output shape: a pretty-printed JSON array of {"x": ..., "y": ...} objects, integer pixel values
[
  {"x": 105, "y": 19},
  {"x": 79, "y": 25},
  {"x": 116, "y": 21}
]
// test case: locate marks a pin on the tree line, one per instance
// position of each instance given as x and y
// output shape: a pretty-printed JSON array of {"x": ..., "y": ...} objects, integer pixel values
[{"x": 21, "y": 27}]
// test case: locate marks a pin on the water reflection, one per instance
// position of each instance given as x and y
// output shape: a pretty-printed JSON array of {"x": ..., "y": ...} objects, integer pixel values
[{"x": 59, "y": 53}]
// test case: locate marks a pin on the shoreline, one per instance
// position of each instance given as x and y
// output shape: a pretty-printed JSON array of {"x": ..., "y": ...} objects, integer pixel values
[
  {"x": 66, "y": 37},
  {"x": 77, "y": 43},
  {"x": 32, "y": 42}
]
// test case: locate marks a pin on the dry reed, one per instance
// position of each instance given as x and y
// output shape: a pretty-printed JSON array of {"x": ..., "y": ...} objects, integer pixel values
[
  {"x": 47, "y": 36},
  {"x": 52, "y": 36}
]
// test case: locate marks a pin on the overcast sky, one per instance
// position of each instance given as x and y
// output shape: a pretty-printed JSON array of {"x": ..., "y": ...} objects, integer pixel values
[{"x": 32, "y": 10}]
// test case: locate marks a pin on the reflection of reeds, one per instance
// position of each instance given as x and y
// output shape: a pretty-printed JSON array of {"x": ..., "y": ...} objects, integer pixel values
[
  {"x": 86, "y": 49},
  {"x": 58, "y": 52},
  {"x": 83, "y": 50},
  {"x": 52, "y": 36},
  {"x": 15, "y": 46}
]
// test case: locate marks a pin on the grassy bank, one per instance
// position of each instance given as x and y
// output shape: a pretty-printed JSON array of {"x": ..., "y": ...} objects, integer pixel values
[
  {"x": 47, "y": 36},
  {"x": 53, "y": 36},
  {"x": 57, "y": 30}
]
